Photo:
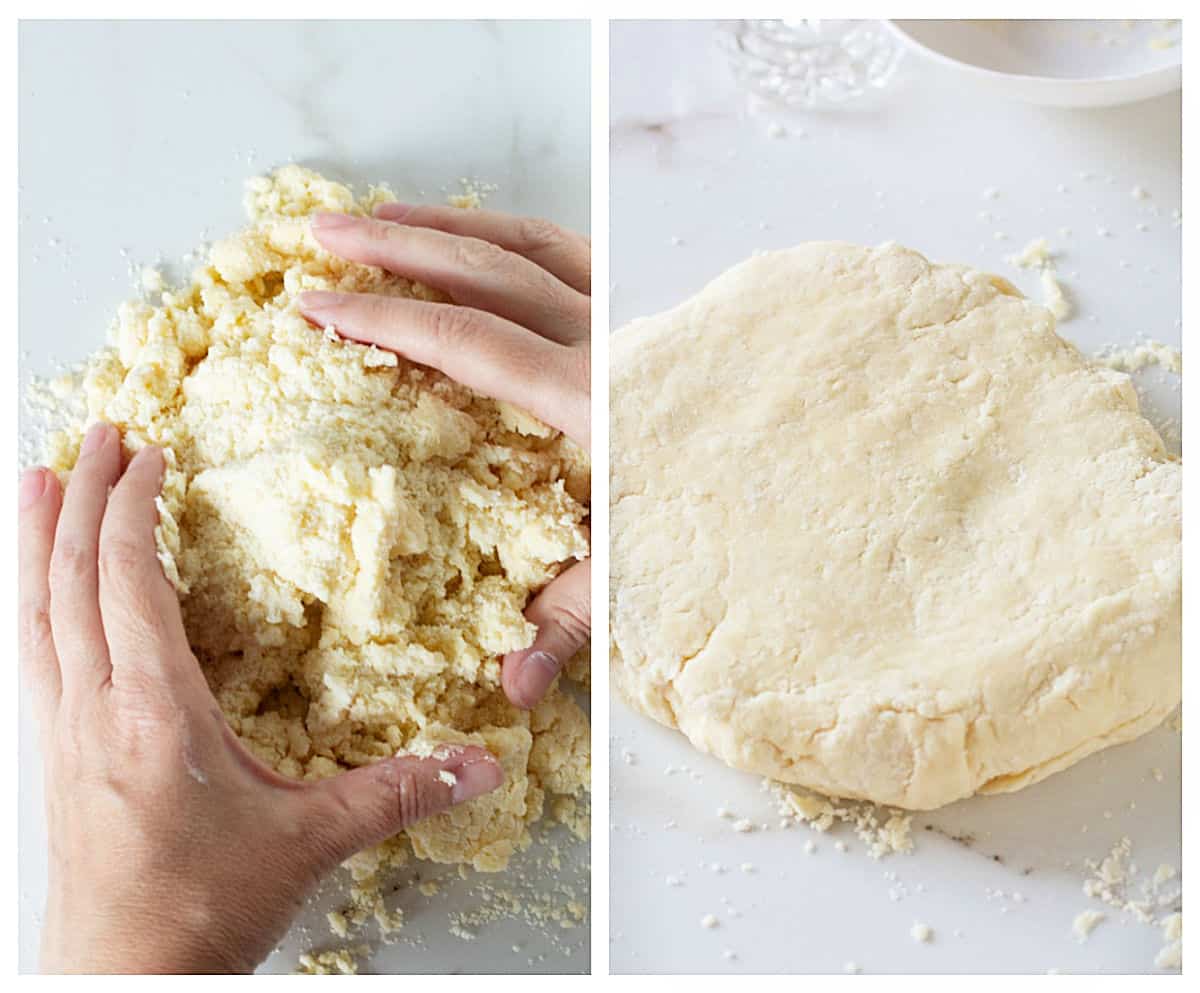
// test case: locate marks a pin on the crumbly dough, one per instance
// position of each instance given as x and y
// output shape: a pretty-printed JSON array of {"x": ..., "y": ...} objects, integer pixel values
[
  {"x": 353, "y": 537},
  {"x": 879, "y": 532}
]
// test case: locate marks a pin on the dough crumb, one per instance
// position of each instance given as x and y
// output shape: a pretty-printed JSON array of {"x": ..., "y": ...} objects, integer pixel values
[
  {"x": 1085, "y": 922},
  {"x": 1054, "y": 297},
  {"x": 1035, "y": 255},
  {"x": 921, "y": 933},
  {"x": 1141, "y": 356},
  {"x": 1170, "y": 956},
  {"x": 709, "y": 921},
  {"x": 473, "y": 196},
  {"x": 339, "y": 961},
  {"x": 882, "y": 830}
]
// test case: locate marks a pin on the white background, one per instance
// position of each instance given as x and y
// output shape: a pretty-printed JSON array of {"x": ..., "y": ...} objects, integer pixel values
[
  {"x": 697, "y": 185},
  {"x": 137, "y": 136}
]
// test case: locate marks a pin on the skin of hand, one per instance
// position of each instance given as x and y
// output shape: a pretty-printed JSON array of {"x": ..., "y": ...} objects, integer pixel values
[
  {"x": 172, "y": 848},
  {"x": 519, "y": 330}
]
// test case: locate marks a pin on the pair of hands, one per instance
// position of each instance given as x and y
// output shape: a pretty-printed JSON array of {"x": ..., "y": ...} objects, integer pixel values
[{"x": 173, "y": 849}]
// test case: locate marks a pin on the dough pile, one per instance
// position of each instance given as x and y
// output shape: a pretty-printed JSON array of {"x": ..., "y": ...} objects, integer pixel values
[
  {"x": 353, "y": 537},
  {"x": 878, "y": 531}
]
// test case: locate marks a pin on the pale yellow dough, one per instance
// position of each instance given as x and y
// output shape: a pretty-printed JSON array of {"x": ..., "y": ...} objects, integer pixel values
[
  {"x": 354, "y": 538},
  {"x": 878, "y": 531}
]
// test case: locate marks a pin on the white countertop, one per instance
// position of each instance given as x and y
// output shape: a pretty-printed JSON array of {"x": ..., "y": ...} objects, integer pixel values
[
  {"x": 136, "y": 137},
  {"x": 698, "y": 184}
]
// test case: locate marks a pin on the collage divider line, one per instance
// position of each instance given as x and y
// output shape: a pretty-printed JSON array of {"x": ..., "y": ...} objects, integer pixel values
[{"x": 600, "y": 329}]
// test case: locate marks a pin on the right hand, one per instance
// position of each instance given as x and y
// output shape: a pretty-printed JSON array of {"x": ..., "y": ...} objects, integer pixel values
[{"x": 519, "y": 330}]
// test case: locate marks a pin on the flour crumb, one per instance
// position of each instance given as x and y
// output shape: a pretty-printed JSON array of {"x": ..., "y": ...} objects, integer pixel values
[
  {"x": 709, "y": 921},
  {"x": 447, "y": 777},
  {"x": 921, "y": 933}
]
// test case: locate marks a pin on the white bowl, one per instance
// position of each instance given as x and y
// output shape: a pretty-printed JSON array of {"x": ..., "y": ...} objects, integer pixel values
[{"x": 1056, "y": 63}]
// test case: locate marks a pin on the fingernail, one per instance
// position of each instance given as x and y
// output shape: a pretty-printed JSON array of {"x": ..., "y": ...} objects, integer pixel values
[
  {"x": 95, "y": 439},
  {"x": 328, "y": 221},
  {"x": 33, "y": 485},
  {"x": 474, "y": 778},
  {"x": 535, "y": 675},
  {"x": 393, "y": 211},
  {"x": 319, "y": 300}
]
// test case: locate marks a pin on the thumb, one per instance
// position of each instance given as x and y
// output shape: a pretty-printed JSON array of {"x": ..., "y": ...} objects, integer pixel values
[
  {"x": 563, "y": 615},
  {"x": 365, "y": 806}
]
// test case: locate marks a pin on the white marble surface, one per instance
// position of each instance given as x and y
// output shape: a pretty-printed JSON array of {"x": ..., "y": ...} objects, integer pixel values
[
  {"x": 136, "y": 137},
  {"x": 697, "y": 185}
]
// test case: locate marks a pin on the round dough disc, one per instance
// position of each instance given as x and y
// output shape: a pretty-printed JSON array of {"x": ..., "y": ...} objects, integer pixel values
[{"x": 878, "y": 531}]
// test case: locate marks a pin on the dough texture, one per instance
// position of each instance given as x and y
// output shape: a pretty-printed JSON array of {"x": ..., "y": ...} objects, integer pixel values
[
  {"x": 878, "y": 531},
  {"x": 353, "y": 537}
]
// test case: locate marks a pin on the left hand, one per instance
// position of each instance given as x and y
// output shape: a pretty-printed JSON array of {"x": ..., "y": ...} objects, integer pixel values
[{"x": 172, "y": 848}]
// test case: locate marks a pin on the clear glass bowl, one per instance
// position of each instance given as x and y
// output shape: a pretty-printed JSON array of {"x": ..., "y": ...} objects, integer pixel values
[{"x": 810, "y": 63}]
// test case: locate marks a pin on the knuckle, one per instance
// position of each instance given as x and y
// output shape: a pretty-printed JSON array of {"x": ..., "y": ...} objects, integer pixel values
[
  {"x": 386, "y": 235},
  {"x": 120, "y": 559},
  {"x": 70, "y": 560},
  {"x": 477, "y": 255},
  {"x": 36, "y": 633},
  {"x": 572, "y": 617},
  {"x": 537, "y": 234},
  {"x": 452, "y": 326},
  {"x": 578, "y": 362},
  {"x": 411, "y": 800}
]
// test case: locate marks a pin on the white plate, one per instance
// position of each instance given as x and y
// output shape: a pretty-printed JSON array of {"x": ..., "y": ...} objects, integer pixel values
[{"x": 1057, "y": 63}]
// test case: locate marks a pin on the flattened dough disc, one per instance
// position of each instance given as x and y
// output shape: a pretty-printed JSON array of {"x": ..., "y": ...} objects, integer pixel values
[{"x": 877, "y": 530}]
